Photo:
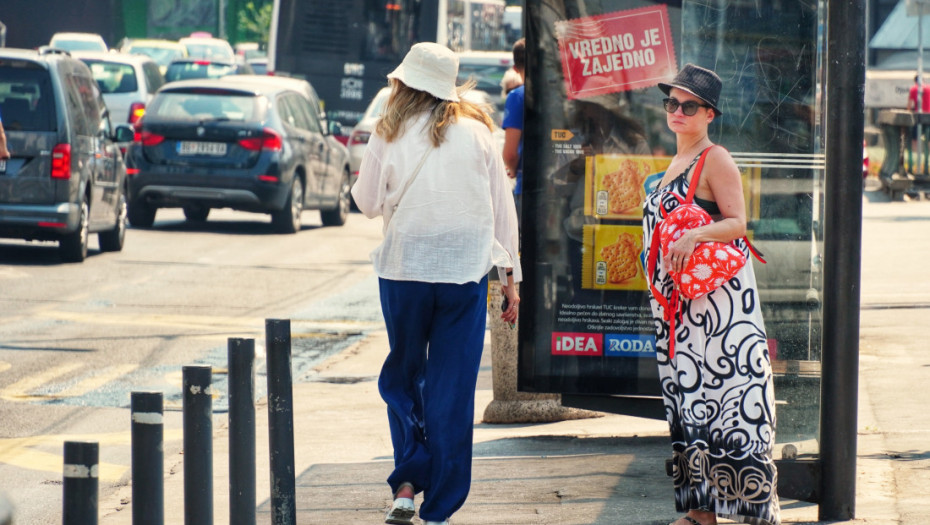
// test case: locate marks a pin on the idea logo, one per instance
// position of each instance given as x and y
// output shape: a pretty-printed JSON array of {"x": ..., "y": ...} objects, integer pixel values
[{"x": 574, "y": 343}]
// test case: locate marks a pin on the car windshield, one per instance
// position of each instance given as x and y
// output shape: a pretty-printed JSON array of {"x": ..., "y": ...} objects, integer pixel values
[
  {"x": 377, "y": 105},
  {"x": 25, "y": 101},
  {"x": 200, "y": 106},
  {"x": 186, "y": 70},
  {"x": 113, "y": 77},
  {"x": 161, "y": 55},
  {"x": 209, "y": 50},
  {"x": 78, "y": 45},
  {"x": 487, "y": 76}
]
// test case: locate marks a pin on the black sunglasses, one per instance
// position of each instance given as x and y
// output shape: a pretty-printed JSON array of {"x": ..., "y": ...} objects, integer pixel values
[{"x": 689, "y": 108}]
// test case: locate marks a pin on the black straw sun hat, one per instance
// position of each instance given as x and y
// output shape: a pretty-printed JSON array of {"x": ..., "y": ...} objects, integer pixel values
[{"x": 700, "y": 82}]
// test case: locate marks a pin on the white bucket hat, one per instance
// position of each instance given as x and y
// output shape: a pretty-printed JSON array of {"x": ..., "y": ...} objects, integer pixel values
[{"x": 430, "y": 67}]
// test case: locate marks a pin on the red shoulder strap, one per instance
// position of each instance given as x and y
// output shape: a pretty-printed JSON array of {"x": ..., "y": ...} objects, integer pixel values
[{"x": 696, "y": 177}]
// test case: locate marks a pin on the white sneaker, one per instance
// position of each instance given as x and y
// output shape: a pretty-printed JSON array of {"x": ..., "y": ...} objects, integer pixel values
[
  {"x": 444, "y": 522},
  {"x": 401, "y": 513}
]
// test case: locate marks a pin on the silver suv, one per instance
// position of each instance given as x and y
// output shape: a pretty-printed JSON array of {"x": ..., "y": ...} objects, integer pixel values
[{"x": 66, "y": 178}]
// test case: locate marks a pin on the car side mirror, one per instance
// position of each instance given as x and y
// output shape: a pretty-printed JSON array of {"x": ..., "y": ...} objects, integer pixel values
[
  {"x": 123, "y": 133},
  {"x": 335, "y": 128}
]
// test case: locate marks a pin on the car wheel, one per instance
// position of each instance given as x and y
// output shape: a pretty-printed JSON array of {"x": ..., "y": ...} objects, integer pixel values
[
  {"x": 141, "y": 214},
  {"x": 287, "y": 219},
  {"x": 112, "y": 240},
  {"x": 73, "y": 246},
  {"x": 196, "y": 213},
  {"x": 338, "y": 216}
]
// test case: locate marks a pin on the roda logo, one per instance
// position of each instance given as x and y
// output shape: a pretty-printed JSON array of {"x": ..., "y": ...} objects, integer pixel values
[
  {"x": 571, "y": 343},
  {"x": 630, "y": 345}
]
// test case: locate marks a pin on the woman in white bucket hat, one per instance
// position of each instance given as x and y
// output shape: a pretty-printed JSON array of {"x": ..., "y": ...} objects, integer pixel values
[{"x": 432, "y": 171}]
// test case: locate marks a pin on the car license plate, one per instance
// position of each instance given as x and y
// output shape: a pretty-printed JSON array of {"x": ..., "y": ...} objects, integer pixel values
[
  {"x": 3, "y": 166},
  {"x": 201, "y": 148}
]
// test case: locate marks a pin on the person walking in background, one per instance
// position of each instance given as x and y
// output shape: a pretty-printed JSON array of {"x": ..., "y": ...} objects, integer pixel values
[
  {"x": 4, "y": 152},
  {"x": 918, "y": 101},
  {"x": 434, "y": 174},
  {"x": 918, "y": 91},
  {"x": 717, "y": 386},
  {"x": 513, "y": 125}
]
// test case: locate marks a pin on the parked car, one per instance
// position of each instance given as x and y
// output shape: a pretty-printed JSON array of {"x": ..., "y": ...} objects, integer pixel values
[
  {"x": 208, "y": 47},
  {"x": 161, "y": 51},
  {"x": 487, "y": 69},
  {"x": 128, "y": 82},
  {"x": 250, "y": 146},
  {"x": 259, "y": 65},
  {"x": 78, "y": 42},
  {"x": 66, "y": 178},
  {"x": 192, "y": 68},
  {"x": 358, "y": 138}
]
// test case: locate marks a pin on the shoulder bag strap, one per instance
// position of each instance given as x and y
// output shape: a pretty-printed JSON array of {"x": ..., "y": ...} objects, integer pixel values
[
  {"x": 692, "y": 187},
  {"x": 696, "y": 178},
  {"x": 412, "y": 177}
]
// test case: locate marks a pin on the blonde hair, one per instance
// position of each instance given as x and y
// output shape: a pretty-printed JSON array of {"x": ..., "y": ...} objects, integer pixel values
[{"x": 406, "y": 102}]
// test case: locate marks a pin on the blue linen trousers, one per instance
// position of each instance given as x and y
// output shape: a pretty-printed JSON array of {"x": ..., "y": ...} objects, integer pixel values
[{"x": 436, "y": 335}]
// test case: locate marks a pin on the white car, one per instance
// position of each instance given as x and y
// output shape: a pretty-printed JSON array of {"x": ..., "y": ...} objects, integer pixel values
[
  {"x": 208, "y": 47},
  {"x": 487, "y": 69},
  {"x": 358, "y": 139},
  {"x": 127, "y": 82},
  {"x": 161, "y": 51},
  {"x": 78, "y": 42}
]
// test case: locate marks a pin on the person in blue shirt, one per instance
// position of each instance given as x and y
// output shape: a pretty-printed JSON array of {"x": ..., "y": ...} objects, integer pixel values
[
  {"x": 513, "y": 126},
  {"x": 4, "y": 153}
]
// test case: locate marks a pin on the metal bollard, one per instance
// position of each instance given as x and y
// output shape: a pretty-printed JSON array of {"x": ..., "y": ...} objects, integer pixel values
[
  {"x": 6, "y": 511},
  {"x": 241, "y": 359},
  {"x": 281, "y": 422},
  {"x": 148, "y": 458},
  {"x": 80, "y": 483},
  {"x": 198, "y": 445}
]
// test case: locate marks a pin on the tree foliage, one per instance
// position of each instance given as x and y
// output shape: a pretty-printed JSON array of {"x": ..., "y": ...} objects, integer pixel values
[{"x": 255, "y": 21}]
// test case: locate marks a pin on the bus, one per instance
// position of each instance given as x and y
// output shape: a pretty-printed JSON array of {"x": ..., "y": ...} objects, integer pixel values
[{"x": 346, "y": 49}]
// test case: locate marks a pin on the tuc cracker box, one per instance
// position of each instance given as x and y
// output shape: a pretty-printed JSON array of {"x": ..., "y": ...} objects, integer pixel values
[
  {"x": 615, "y": 185},
  {"x": 612, "y": 258}
]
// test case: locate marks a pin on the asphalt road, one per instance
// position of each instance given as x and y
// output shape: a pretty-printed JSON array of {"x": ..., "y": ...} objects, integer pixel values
[{"x": 77, "y": 339}]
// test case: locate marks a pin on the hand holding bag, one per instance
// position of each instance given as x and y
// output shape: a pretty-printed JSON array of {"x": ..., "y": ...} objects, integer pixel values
[{"x": 710, "y": 265}]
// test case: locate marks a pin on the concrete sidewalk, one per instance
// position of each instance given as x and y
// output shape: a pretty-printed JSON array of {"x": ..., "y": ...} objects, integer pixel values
[{"x": 609, "y": 469}]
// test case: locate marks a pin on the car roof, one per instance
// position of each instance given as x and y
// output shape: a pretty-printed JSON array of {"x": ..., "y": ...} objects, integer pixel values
[
  {"x": 112, "y": 56},
  {"x": 40, "y": 55},
  {"x": 155, "y": 42},
  {"x": 243, "y": 88},
  {"x": 485, "y": 57},
  {"x": 189, "y": 60},
  {"x": 294, "y": 84},
  {"x": 78, "y": 36},
  {"x": 208, "y": 39}
]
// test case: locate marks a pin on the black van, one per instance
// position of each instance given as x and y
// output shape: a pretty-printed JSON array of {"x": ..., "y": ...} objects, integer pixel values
[{"x": 66, "y": 177}]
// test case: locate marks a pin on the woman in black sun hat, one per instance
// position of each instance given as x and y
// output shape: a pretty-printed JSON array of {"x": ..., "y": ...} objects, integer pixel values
[{"x": 717, "y": 381}]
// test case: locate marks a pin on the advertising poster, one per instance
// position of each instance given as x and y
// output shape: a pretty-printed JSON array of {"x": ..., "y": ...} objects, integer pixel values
[{"x": 597, "y": 143}]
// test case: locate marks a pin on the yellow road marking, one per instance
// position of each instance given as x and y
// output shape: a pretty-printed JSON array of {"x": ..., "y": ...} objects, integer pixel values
[
  {"x": 96, "y": 381},
  {"x": 19, "y": 452},
  {"x": 178, "y": 321},
  {"x": 19, "y": 391}
]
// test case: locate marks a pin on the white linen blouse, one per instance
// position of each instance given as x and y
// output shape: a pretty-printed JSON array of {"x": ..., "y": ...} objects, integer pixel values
[{"x": 457, "y": 219}]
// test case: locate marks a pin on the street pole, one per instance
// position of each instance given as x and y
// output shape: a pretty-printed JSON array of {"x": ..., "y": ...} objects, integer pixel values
[{"x": 845, "y": 79}]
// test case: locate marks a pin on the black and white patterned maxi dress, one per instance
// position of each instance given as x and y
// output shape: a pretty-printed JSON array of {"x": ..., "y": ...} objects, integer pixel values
[{"x": 718, "y": 393}]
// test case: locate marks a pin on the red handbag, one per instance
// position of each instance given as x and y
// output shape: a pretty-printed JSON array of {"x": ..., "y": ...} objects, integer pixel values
[{"x": 710, "y": 265}]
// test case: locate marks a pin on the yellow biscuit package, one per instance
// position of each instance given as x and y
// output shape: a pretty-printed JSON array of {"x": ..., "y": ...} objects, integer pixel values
[
  {"x": 613, "y": 258},
  {"x": 615, "y": 185}
]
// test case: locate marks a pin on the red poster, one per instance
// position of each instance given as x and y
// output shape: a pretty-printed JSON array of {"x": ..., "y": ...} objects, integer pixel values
[{"x": 616, "y": 51}]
